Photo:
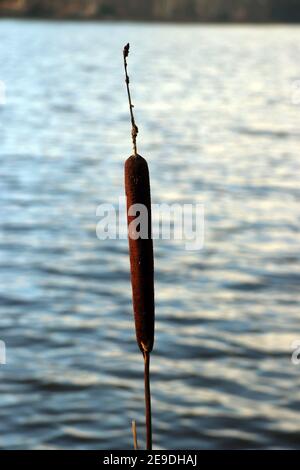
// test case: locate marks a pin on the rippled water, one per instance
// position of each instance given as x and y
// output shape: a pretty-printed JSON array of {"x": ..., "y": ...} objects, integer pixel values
[{"x": 219, "y": 124}]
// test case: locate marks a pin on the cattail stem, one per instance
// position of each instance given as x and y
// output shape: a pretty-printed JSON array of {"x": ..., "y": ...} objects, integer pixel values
[
  {"x": 134, "y": 434},
  {"x": 134, "y": 128},
  {"x": 148, "y": 401}
]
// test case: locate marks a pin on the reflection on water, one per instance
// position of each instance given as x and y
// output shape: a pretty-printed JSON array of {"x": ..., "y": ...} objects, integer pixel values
[{"x": 218, "y": 127}]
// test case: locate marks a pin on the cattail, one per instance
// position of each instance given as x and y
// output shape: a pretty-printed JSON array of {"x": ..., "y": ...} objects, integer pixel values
[{"x": 137, "y": 188}]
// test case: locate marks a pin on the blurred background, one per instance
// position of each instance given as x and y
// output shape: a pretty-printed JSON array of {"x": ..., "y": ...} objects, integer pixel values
[{"x": 218, "y": 111}]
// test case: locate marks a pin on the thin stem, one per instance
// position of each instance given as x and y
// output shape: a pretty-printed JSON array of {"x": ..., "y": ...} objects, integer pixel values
[
  {"x": 148, "y": 400},
  {"x": 134, "y": 433},
  {"x": 134, "y": 128}
]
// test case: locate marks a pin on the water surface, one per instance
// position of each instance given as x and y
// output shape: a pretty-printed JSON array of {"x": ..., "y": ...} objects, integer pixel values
[{"x": 219, "y": 124}]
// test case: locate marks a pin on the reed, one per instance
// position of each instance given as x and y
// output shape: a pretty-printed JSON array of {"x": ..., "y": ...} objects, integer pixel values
[{"x": 137, "y": 188}]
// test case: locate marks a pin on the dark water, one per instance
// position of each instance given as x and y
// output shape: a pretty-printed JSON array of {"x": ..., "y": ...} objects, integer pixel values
[{"x": 219, "y": 123}]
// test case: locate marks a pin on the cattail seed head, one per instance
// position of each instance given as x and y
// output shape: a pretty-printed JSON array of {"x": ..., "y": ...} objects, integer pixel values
[{"x": 137, "y": 187}]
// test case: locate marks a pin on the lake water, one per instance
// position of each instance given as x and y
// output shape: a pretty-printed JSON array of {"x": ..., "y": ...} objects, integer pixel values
[{"x": 218, "y": 111}]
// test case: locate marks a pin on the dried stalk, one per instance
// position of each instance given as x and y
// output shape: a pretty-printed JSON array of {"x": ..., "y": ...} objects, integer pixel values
[
  {"x": 148, "y": 401},
  {"x": 134, "y": 128},
  {"x": 137, "y": 187},
  {"x": 134, "y": 434}
]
